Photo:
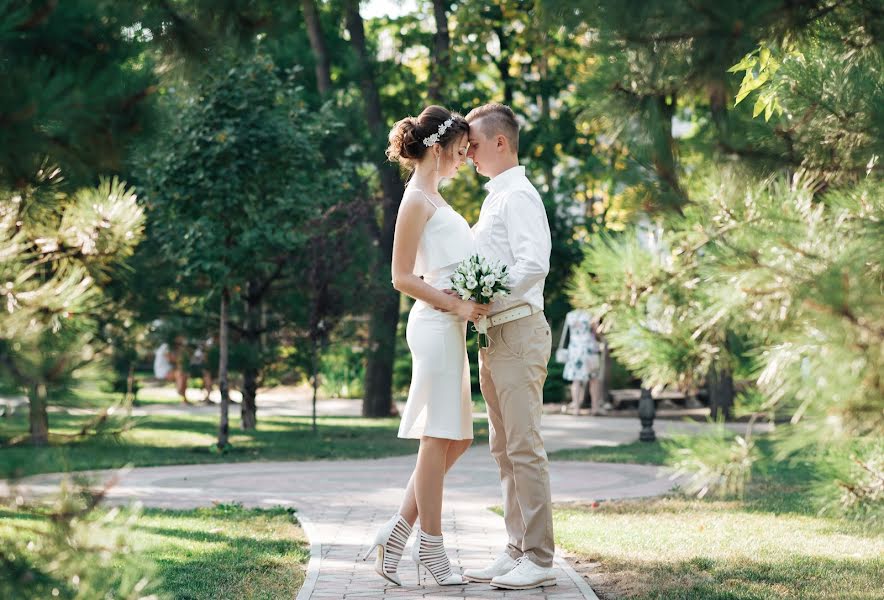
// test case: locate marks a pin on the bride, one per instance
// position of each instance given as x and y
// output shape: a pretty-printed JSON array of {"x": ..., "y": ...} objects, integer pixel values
[{"x": 429, "y": 241}]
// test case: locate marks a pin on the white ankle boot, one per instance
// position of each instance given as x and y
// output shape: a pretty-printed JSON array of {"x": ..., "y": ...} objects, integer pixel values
[
  {"x": 390, "y": 543},
  {"x": 429, "y": 552}
]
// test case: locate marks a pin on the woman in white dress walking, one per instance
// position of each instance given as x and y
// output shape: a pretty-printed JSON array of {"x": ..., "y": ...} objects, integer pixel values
[{"x": 430, "y": 240}]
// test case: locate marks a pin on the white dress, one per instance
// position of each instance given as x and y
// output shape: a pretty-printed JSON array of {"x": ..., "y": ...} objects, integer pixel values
[{"x": 439, "y": 402}]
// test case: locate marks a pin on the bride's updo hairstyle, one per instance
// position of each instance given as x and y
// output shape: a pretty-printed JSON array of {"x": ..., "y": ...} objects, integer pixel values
[{"x": 407, "y": 138}]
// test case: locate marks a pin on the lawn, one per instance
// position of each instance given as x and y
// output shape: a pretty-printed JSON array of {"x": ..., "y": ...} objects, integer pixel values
[
  {"x": 772, "y": 544},
  {"x": 189, "y": 439},
  {"x": 221, "y": 552},
  {"x": 641, "y": 453}
]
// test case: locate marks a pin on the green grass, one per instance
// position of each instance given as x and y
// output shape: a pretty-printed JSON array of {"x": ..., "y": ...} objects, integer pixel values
[
  {"x": 189, "y": 439},
  {"x": 221, "y": 552},
  {"x": 671, "y": 548},
  {"x": 643, "y": 453},
  {"x": 90, "y": 395},
  {"x": 771, "y": 544}
]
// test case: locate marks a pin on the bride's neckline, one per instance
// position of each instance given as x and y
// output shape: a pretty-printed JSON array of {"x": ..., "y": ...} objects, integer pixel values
[{"x": 439, "y": 197}]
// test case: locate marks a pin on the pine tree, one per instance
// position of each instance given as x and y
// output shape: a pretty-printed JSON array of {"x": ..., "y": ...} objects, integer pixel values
[
  {"x": 785, "y": 258},
  {"x": 73, "y": 96}
]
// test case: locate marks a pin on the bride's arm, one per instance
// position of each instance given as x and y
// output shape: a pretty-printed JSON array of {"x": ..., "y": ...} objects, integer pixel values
[{"x": 410, "y": 223}]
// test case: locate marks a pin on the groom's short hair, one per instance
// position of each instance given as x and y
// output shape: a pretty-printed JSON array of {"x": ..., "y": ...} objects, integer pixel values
[{"x": 497, "y": 119}]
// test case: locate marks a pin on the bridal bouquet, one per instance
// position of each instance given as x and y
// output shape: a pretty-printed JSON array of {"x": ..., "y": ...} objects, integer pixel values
[{"x": 482, "y": 281}]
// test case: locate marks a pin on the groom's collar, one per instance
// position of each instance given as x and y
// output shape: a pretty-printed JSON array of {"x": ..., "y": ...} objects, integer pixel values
[{"x": 502, "y": 180}]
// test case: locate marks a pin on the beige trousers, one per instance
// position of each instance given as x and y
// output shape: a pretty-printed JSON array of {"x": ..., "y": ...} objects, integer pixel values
[{"x": 511, "y": 374}]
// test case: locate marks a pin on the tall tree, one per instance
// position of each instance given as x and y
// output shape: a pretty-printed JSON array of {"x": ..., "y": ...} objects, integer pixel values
[
  {"x": 317, "y": 44},
  {"x": 236, "y": 220},
  {"x": 441, "y": 54},
  {"x": 384, "y": 309}
]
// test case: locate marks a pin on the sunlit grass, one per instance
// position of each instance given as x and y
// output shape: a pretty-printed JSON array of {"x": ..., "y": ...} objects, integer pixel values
[
  {"x": 221, "y": 552},
  {"x": 770, "y": 544},
  {"x": 190, "y": 439},
  {"x": 675, "y": 548}
]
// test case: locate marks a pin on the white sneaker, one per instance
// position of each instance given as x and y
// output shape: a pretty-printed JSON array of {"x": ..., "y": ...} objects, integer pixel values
[
  {"x": 501, "y": 566},
  {"x": 525, "y": 576}
]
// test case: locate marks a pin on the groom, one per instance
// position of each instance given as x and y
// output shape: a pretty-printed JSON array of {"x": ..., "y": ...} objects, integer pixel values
[{"x": 513, "y": 228}]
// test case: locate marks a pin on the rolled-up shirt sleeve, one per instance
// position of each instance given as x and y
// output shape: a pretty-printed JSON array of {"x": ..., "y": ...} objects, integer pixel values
[{"x": 529, "y": 238}]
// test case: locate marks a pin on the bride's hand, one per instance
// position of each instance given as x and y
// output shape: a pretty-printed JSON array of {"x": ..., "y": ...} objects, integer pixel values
[
  {"x": 450, "y": 293},
  {"x": 471, "y": 311}
]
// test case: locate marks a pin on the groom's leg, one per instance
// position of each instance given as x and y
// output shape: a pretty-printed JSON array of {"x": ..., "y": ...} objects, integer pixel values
[
  {"x": 519, "y": 369},
  {"x": 515, "y": 526}
]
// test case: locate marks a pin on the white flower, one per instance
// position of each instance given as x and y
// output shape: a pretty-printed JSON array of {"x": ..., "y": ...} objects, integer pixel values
[
  {"x": 471, "y": 283},
  {"x": 487, "y": 292},
  {"x": 489, "y": 280}
]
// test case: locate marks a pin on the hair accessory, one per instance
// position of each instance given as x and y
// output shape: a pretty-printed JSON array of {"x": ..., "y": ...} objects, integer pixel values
[{"x": 430, "y": 140}]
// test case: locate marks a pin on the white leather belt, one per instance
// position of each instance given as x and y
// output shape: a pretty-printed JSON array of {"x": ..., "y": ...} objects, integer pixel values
[{"x": 512, "y": 314}]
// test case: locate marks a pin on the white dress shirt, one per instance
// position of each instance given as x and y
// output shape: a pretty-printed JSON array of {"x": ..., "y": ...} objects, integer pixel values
[{"x": 513, "y": 229}]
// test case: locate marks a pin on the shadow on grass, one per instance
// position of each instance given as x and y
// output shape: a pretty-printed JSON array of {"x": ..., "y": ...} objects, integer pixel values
[
  {"x": 793, "y": 578},
  {"x": 243, "y": 543},
  {"x": 777, "y": 486},
  {"x": 261, "y": 564},
  {"x": 169, "y": 440}
]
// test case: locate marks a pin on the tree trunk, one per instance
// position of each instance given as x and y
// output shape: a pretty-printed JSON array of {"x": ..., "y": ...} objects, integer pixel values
[
  {"x": 718, "y": 106},
  {"x": 503, "y": 65},
  {"x": 39, "y": 417},
  {"x": 130, "y": 385},
  {"x": 317, "y": 43},
  {"x": 664, "y": 152},
  {"x": 315, "y": 377},
  {"x": 721, "y": 393},
  {"x": 441, "y": 52},
  {"x": 248, "y": 409},
  {"x": 251, "y": 371},
  {"x": 223, "y": 350},
  {"x": 384, "y": 304},
  {"x": 607, "y": 371}
]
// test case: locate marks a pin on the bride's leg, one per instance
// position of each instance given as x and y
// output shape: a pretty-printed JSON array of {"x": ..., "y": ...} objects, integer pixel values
[
  {"x": 408, "y": 508},
  {"x": 455, "y": 451},
  {"x": 428, "y": 477}
]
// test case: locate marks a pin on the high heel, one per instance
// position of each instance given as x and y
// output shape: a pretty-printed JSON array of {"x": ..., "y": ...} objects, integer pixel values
[
  {"x": 429, "y": 552},
  {"x": 389, "y": 542}
]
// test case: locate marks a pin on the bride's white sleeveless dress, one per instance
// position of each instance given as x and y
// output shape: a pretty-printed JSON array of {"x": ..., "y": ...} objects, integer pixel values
[{"x": 439, "y": 402}]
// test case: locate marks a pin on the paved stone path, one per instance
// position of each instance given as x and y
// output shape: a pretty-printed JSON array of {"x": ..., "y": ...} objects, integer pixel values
[{"x": 341, "y": 503}]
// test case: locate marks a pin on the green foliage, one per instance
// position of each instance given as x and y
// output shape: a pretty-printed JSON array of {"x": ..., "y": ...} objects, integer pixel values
[
  {"x": 71, "y": 548},
  {"x": 229, "y": 186},
  {"x": 342, "y": 370},
  {"x": 772, "y": 270},
  {"x": 251, "y": 190},
  {"x": 75, "y": 88},
  {"x": 760, "y": 66},
  {"x": 58, "y": 250}
]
